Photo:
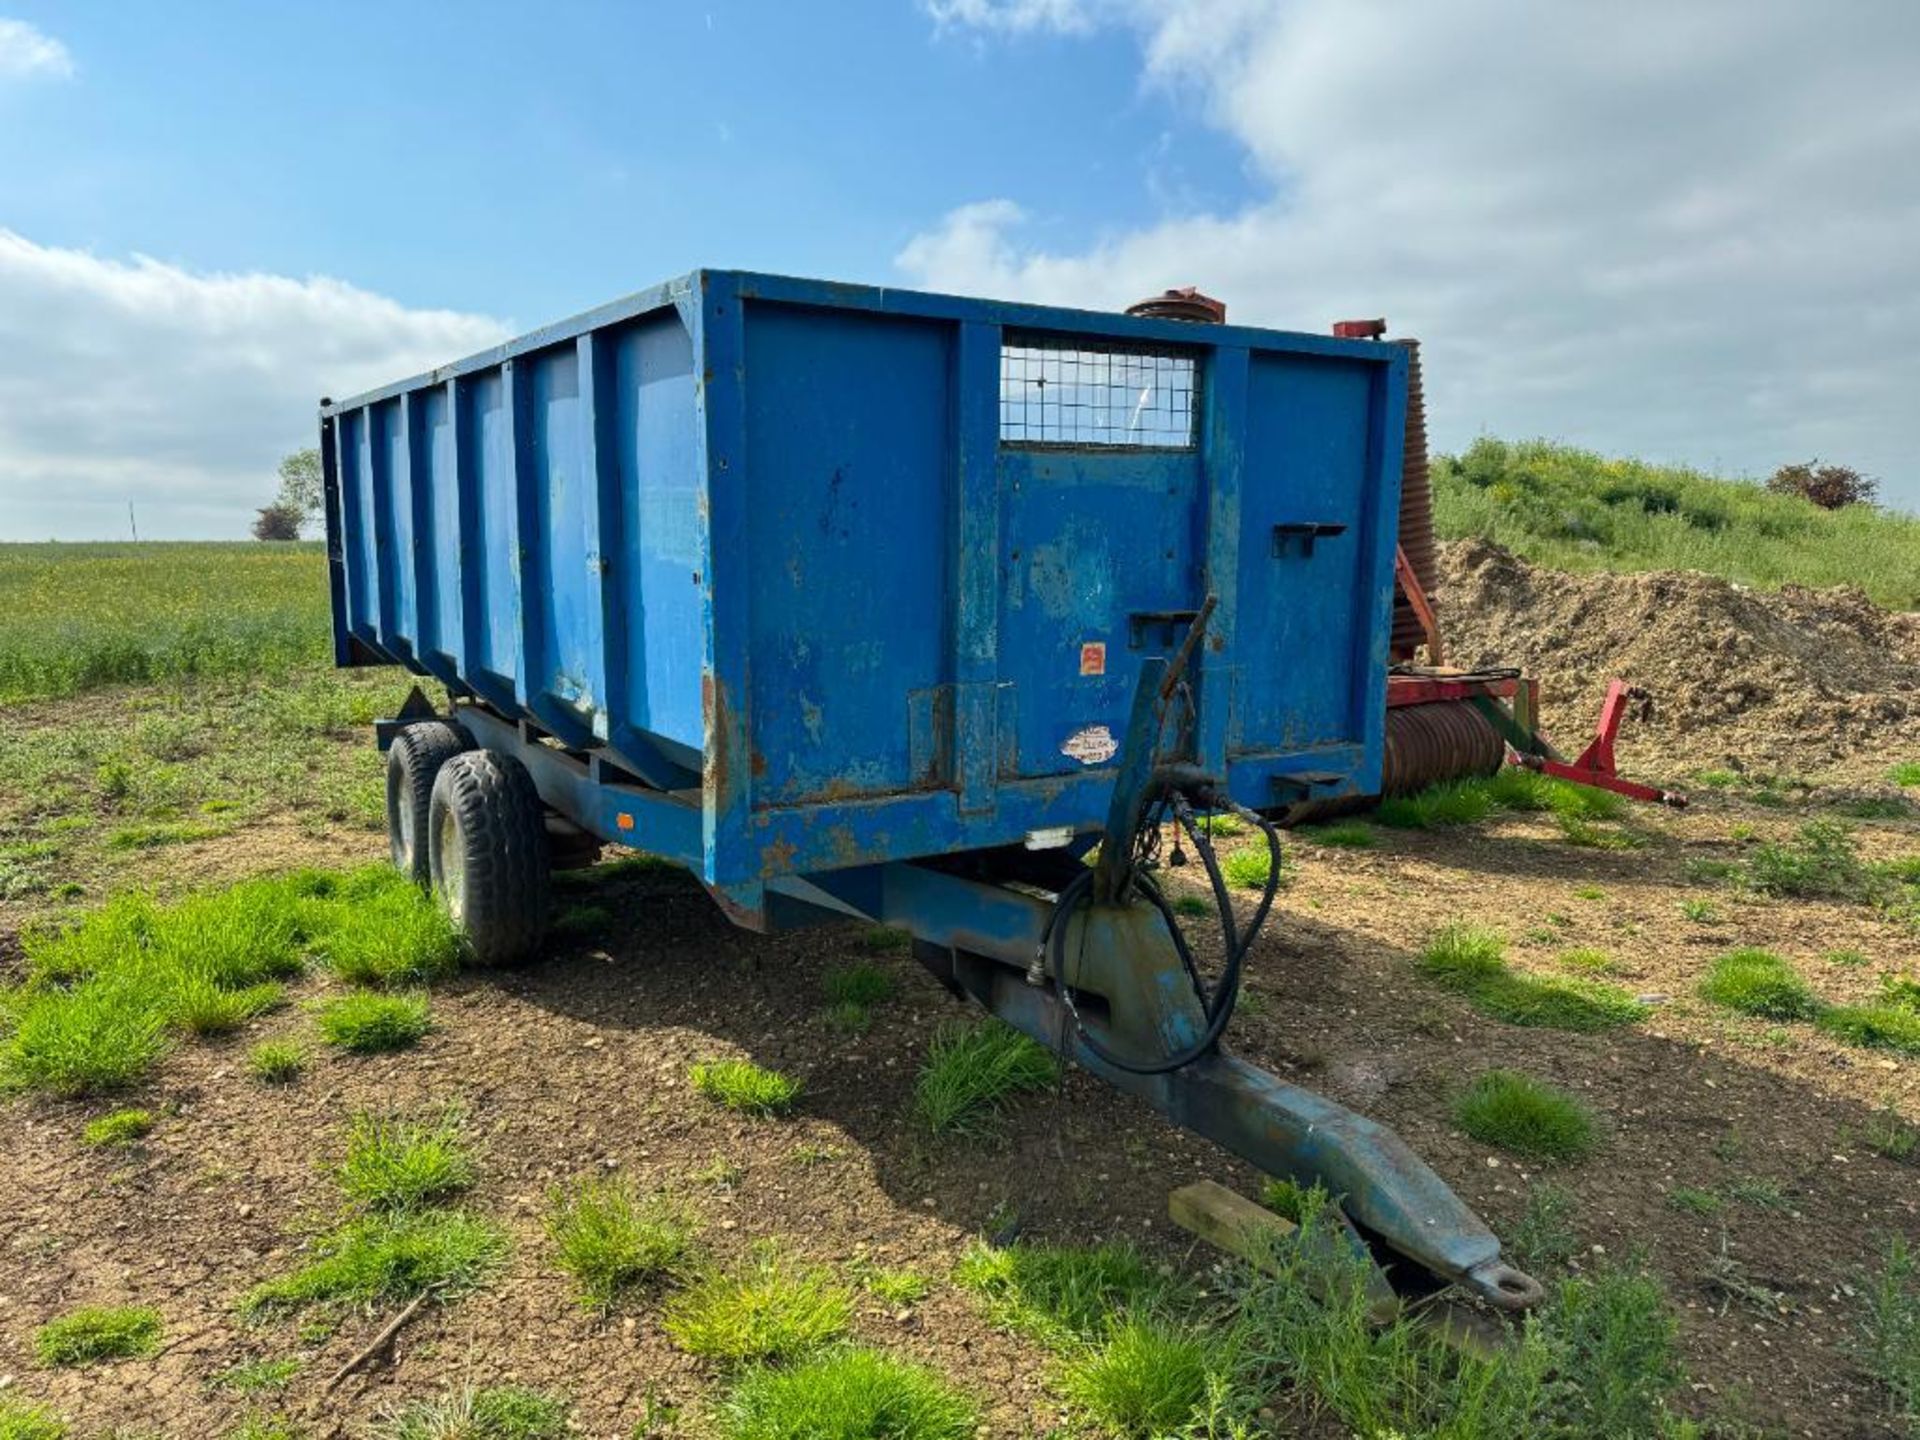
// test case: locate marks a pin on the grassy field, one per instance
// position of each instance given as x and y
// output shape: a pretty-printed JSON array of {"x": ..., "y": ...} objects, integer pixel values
[
  {"x": 77, "y": 617},
  {"x": 1575, "y": 510},
  {"x": 680, "y": 1181}
]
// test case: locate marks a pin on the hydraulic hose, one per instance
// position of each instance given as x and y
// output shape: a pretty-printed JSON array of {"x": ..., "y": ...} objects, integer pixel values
[{"x": 1218, "y": 1006}]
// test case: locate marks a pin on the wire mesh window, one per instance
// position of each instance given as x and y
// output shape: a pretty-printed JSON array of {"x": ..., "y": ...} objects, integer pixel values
[{"x": 1062, "y": 392}]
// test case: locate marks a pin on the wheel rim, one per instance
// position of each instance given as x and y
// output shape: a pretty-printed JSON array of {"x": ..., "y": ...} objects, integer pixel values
[
  {"x": 453, "y": 866},
  {"x": 403, "y": 833}
]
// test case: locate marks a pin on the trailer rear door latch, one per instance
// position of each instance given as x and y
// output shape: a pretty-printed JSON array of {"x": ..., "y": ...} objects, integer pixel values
[{"x": 1303, "y": 533}]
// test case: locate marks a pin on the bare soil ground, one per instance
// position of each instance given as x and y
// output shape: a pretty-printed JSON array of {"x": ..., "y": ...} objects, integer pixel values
[
  {"x": 1794, "y": 681},
  {"x": 578, "y": 1064}
]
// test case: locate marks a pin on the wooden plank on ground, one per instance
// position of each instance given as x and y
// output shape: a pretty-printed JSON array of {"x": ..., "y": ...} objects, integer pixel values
[{"x": 1229, "y": 1220}]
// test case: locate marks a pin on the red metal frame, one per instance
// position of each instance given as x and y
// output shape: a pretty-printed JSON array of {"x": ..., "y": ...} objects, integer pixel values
[
  {"x": 1426, "y": 689},
  {"x": 1422, "y": 608},
  {"x": 1595, "y": 765}
]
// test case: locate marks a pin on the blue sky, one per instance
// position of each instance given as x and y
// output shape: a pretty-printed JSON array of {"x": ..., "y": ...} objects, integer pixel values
[
  {"x": 531, "y": 160},
  {"x": 1684, "y": 233}
]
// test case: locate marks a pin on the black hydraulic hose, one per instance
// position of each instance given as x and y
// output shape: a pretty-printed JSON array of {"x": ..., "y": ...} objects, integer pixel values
[{"x": 1218, "y": 1008}]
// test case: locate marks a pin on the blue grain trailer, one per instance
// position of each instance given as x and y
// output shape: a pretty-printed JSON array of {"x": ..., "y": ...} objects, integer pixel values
[{"x": 867, "y": 603}]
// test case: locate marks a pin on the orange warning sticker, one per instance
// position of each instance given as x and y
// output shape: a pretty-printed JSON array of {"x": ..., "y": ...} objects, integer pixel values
[
  {"x": 1093, "y": 658},
  {"x": 623, "y": 820}
]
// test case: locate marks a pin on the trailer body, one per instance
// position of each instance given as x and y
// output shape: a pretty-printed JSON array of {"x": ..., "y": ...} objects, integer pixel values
[{"x": 821, "y": 575}]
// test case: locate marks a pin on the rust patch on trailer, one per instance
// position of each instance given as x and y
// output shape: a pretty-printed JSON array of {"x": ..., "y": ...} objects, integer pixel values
[
  {"x": 777, "y": 858},
  {"x": 716, "y": 714}
]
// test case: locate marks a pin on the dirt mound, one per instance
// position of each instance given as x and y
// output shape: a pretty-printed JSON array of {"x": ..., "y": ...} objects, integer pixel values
[{"x": 1798, "y": 681}]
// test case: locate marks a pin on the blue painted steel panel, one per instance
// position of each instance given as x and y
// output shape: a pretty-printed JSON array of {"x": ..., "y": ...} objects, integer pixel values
[{"x": 766, "y": 544}]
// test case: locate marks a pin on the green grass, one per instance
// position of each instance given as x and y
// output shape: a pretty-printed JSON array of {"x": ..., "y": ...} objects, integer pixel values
[
  {"x": 1058, "y": 1294},
  {"x": 78, "y": 617},
  {"x": 1460, "y": 953},
  {"x": 1342, "y": 835},
  {"x": 369, "y": 1022},
  {"x": 1438, "y": 807},
  {"x": 395, "y": 935},
  {"x": 1544, "y": 1234},
  {"x": 1471, "y": 959},
  {"x": 1886, "y": 1134},
  {"x": 861, "y": 983},
  {"x": 1905, "y": 773},
  {"x": 267, "y": 1427},
  {"x": 1515, "y": 789},
  {"x": 743, "y": 1086},
  {"x": 259, "y": 1377},
  {"x": 1890, "y": 1329},
  {"x": 86, "y": 1337},
  {"x": 120, "y": 1129},
  {"x": 276, "y": 1062},
  {"x": 1880, "y": 1026},
  {"x": 1692, "y": 1200},
  {"x": 610, "y": 1240},
  {"x": 1701, "y": 912},
  {"x": 486, "y": 1412},
  {"x": 846, "y": 1394},
  {"x": 883, "y": 940},
  {"x": 972, "y": 1072},
  {"x": 769, "y": 1310},
  {"x": 105, "y": 996},
  {"x": 395, "y": 1164},
  {"x": 1598, "y": 1359},
  {"x": 1149, "y": 1377},
  {"x": 1572, "y": 509},
  {"x": 1248, "y": 868},
  {"x": 1821, "y": 862},
  {"x": 1759, "y": 982},
  {"x": 1525, "y": 1116},
  {"x": 388, "y": 1257},
  {"x": 22, "y": 1420},
  {"x": 896, "y": 1287},
  {"x": 1586, "y": 959}
]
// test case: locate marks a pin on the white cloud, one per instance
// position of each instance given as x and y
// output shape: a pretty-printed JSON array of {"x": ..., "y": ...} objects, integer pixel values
[
  {"x": 26, "y": 51},
  {"x": 1689, "y": 232},
  {"x": 1014, "y": 16},
  {"x": 142, "y": 382}
]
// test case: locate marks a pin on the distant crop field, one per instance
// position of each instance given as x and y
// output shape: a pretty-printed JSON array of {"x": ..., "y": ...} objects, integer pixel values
[
  {"x": 1573, "y": 509},
  {"x": 77, "y": 617}
]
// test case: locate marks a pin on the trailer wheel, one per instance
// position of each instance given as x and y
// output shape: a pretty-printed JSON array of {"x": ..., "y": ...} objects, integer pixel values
[
  {"x": 487, "y": 851},
  {"x": 413, "y": 761}
]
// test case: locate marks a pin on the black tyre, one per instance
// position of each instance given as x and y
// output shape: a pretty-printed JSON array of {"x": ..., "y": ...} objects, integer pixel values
[
  {"x": 487, "y": 852},
  {"x": 413, "y": 761}
]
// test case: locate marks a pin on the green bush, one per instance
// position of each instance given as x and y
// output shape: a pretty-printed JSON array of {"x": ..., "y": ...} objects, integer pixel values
[{"x": 1571, "y": 509}]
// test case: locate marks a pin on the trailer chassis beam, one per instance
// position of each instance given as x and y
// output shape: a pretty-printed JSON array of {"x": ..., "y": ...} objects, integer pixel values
[{"x": 987, "y": 934}]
